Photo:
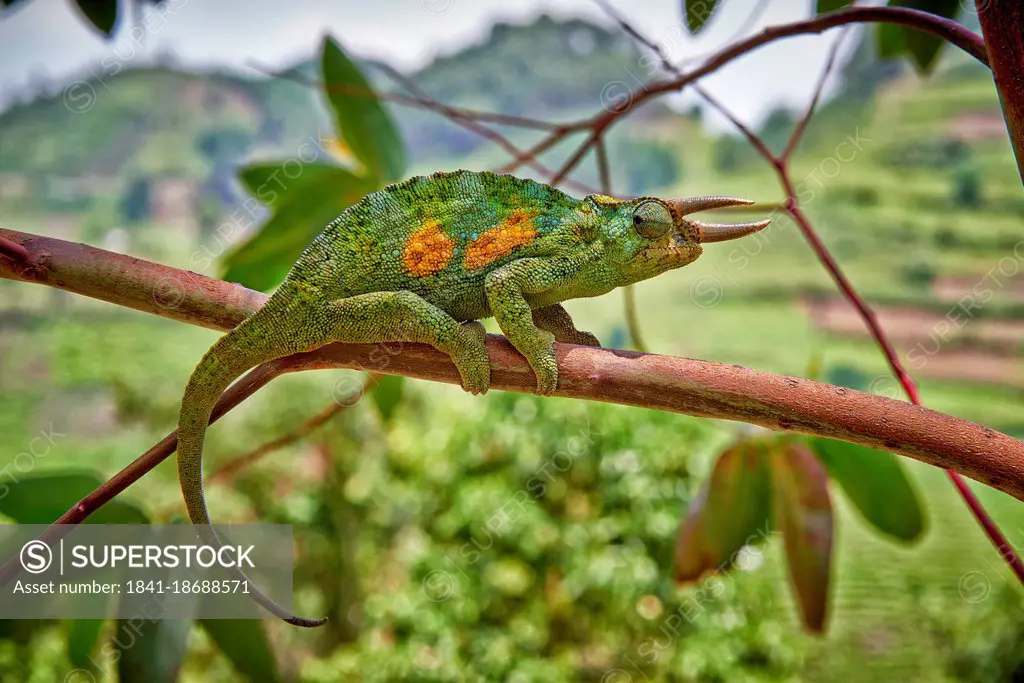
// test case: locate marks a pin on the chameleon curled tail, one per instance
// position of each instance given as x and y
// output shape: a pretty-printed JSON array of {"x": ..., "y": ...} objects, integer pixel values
[{"x": 241, "y": 349}]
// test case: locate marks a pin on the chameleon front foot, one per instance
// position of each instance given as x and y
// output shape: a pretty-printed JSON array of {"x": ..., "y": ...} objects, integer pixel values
[
  {"x": 556, "y": 320},
  {"x": 582, "y": 338}
]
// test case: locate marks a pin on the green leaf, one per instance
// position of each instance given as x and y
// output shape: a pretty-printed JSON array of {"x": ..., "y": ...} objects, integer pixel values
[
  {"x": 890, "y": 41},
  {"x": 831, "y": 5},
  {"x": 263, "y": 261},
  {"x": 362, "y": 121},
  {"x": 270, "y": 183},
  {"x": 730, "y": 511},
  {"x": 802, "y": 511},
  {"x": 924, "y": 48},
  {"x": 697, "y": 13},
  {"x": 151, "y": 651},
  {"x": 245, "y": 643},
  {"x": 82, "y": 635},
  {"x": 100, "y": 13},
  {"x": 42, "y": 498},
  {"x": 877, "y": 485},
  {"x": 387, "y": 394}
]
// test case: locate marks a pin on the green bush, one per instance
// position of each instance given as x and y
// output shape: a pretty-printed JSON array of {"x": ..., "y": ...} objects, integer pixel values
[{"x": 967, "y": 189}]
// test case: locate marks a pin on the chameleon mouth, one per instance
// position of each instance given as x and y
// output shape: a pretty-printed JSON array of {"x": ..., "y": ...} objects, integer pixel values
[
  {"x": 705, "y": 233},
  {"x": 677, "y": 248}
]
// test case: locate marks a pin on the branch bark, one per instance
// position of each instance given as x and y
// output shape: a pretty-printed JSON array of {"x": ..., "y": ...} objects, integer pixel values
[
  {"x": 679, "y": 385},
  {"x": 1002, "y": 22}
]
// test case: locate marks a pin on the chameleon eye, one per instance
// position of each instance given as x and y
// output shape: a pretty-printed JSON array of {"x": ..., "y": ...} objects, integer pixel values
[{"x": 652, "y": 220}]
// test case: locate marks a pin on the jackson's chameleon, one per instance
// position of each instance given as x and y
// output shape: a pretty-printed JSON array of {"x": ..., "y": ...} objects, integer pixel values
[{"x": 424, "y": 260}]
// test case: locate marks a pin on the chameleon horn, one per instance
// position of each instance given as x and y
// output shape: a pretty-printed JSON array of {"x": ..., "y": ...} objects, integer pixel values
[
  {"x": 715, "y": 232},
  {"x": 720, "y": 232},
  {"x": 706, "y": 203}
]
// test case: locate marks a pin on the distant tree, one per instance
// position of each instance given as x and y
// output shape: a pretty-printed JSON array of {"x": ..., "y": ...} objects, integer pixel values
[
  {"x": 651, "y": 165},
  {"x": 224, "y": 145},
  {"x": 136, "y": 202},
  {"x": 919, "y": 274},
  {"x": 731, "y": 153},
  {"x": 777, "y": 127},
  {"x": 967, "y": 191}
]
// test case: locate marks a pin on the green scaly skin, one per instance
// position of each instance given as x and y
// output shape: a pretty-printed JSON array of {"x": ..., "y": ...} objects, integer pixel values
[{"x": 353, "y": 284}]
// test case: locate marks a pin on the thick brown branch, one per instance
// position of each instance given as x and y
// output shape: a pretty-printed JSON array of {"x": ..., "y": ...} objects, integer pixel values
[
  {"x": 1002, "y": 22},
  {"x": 678, "y": 385}
]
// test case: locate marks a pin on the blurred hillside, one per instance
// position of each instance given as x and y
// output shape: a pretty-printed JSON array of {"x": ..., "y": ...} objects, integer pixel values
[{"x": 64, "y": 150}]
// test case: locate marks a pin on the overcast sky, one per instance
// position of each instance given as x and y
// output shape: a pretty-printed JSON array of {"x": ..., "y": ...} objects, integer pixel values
[{"x": 47, "y": 38}]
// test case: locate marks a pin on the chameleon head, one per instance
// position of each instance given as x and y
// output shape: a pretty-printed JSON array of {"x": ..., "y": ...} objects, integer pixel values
[{"x": 647, "y": 236}]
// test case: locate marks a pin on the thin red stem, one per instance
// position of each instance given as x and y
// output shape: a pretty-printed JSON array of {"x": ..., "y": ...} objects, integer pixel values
[{"x": 781, "y": 165}]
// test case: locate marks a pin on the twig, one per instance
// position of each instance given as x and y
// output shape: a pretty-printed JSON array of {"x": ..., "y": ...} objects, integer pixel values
[
  {"x": 604, "y": 173},
  {"x": 947, "y": 29},
  {"x": 819, "y": 88},
  {"x": 13, "y": 250},
  {"x": 408, "y": 100},
  {"x": 629, "y": 291},
  {"x": 232, "y": 466},
  {"x": 676, "y": 385},
  {"x": 633, "y": 318},
  {"x": 473, "y": 124},
  {"x": 469, "y": 119}
]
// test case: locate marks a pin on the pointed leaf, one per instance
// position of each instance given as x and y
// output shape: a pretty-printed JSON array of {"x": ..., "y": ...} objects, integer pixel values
[
  {"x": 877, "y": 484},
  {"x": 731, "y": 511},
  {"x": 263, "y": 261},
  {"x": 362, "y": 121},
  {"x": 82, "y": 635},
  {"x": 891, "y": 44},
  {"x": 387, "y": 394},
  {"x": 697, "y": 13},
  {"x": 271, "y": 182},
  {"x": 42, "y": 498},
  {"x": 245, "y": 643},
  {"x": 924, "y": 48},
  {"x": 831, "y": 5},
  {"x": 100, "y": 13},
  {"x": 152, "y": 651},
  {"x": 802, "y": 511}
]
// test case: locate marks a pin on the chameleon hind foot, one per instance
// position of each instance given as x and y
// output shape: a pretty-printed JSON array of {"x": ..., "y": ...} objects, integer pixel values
[
  {"x": 471, "y": 358},
  {"x": 404, "y": 316}
]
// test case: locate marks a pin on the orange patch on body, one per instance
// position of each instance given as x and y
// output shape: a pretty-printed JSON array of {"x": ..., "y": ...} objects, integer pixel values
[
  {"x": 427, "y": 251},
  {"x": 515, "y": 231}
]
